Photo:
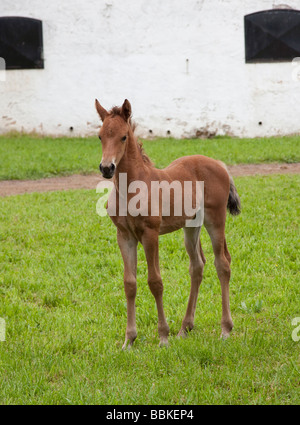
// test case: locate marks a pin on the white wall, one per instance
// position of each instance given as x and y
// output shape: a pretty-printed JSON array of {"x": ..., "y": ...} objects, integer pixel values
[{"x": 138, "y": 49}]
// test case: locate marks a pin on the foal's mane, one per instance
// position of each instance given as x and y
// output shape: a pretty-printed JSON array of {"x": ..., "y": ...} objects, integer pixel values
[{"x": 117, "y": 111}]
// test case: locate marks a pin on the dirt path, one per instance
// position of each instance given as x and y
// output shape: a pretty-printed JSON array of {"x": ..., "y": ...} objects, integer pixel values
[{"x": 78, "y": 181}]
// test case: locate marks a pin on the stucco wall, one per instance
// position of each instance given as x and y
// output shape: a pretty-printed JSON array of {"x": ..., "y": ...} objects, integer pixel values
[{"x": 180, "y": 63}]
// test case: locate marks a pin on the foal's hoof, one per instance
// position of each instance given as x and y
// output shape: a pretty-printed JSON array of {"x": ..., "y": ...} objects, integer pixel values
[
  {"x": 185, "y": 330},
  {"x": 127, "y": 344},
  {"x": 182, "y": 333},
  {"x": 224, "y": 335},
  {"x": 163, "y": 342},
  {"x": 226, "y": 329}
]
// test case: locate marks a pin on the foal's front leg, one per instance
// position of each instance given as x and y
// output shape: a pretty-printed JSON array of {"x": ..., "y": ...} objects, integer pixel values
[
  {"x": 150, "y": 244},
  {"x": 128, "y": 248}
]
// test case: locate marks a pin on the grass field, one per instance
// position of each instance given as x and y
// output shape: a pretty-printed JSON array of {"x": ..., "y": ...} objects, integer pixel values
[
  {"x": 32, "y": 157},
  {"x": 61, "y": 292}
]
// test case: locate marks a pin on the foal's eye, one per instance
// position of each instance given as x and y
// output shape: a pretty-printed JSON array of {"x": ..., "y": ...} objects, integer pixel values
[
  {"x": 99, "y": 137},
  {"x": 124, "y": 138}
]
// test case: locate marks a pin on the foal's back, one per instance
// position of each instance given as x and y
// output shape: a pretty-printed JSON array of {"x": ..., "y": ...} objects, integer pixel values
[{"x": 212, "y": 172}]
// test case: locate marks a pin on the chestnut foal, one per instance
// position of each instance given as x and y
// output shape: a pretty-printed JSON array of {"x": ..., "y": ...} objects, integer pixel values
[{"x": 121, "y": 153}]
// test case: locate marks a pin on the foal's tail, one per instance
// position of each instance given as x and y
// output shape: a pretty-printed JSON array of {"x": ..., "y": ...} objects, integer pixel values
[{"x": 234, "y": 202}]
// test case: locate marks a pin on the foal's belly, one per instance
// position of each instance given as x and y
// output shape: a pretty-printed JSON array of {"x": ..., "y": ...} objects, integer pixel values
[{"x": 171, "y": 224}]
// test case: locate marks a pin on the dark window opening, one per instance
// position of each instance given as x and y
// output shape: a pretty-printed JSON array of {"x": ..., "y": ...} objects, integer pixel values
[
  {"x": 21, "y": 42},
  {"x": 272, "y": 35}
]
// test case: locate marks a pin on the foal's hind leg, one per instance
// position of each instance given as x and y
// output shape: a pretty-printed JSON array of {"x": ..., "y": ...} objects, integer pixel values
[
  {"x": 197, "y": 260},
  {"x": 216, "y": 230}
]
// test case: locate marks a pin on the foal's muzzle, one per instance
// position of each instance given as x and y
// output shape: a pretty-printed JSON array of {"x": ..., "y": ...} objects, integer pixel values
[{"x": 107, "y": 171}]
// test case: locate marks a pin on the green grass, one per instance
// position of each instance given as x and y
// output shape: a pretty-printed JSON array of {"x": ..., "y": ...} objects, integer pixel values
[
  {"x": 61, "y": 295},
  {"x": 32, "y": 157}
]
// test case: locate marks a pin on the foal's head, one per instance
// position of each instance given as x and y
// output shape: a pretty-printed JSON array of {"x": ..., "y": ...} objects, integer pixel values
[{"x": 113, "y": 135}]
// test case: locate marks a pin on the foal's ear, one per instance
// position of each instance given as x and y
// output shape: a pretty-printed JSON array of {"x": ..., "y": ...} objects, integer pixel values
[
  {"x": 101, "y": 111},
  {"x": 126, "y": 110}
]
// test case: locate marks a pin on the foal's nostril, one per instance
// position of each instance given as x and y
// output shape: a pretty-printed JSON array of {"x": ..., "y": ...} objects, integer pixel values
[{"x": 107, "y": 171}]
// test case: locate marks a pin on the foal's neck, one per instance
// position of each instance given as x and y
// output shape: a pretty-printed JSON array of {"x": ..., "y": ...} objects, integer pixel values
[{"x": 132, "y": 161}]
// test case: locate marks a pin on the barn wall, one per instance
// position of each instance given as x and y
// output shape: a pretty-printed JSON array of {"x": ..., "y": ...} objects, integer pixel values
[{"x": 181, "y": 65}]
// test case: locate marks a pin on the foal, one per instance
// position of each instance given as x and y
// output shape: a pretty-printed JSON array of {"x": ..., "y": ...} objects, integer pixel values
[{"x": 121, "y": 153}]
